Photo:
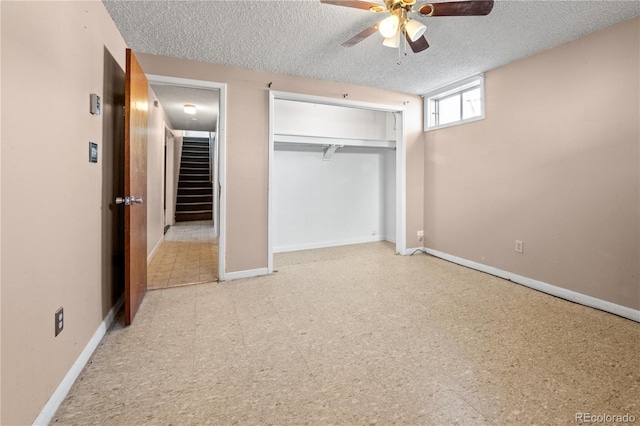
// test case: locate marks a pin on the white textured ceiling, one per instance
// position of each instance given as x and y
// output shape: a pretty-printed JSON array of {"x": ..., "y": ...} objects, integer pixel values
[
  {"x": 173, "y": 99},
  {"x": 303, "y": 37}
]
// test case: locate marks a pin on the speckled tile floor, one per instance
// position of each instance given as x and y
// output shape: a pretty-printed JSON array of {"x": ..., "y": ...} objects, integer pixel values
[
  {"x": 188, "y": 255},
  {"x": 357, "y": 335}
]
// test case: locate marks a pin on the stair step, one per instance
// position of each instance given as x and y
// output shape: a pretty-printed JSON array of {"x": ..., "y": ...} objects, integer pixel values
[
  {"x": 194, "y": 177},
  {"x": 195, "y": 140},
  {"x": 194, "y": 165},
  {"x": 197, "y": 198},
  {"x": 195, "y": 158},
  {"x": 186, "y": 173},
  {"x": 195, "y": 191},
  {"x": 194, "y": 171},
  {"x": 190, "y": 207},
  {"x": 187, "y": 217},
  {"x": 190, "y": 159},
  {"x": 193, "y": 184}
]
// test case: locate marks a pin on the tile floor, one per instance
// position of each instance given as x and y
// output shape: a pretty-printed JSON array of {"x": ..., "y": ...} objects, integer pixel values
[
  {"x": 188, "y": 255},
  {"x": 357, "y": 335}
]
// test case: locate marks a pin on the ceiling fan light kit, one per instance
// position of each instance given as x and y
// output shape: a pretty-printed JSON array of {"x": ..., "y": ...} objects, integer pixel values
[
  {"x": 398, "y": 20},
  {"x": 414, "y": 29},
  {"x": 389, "y": 26},
  {"x": 393, "y": 41}
]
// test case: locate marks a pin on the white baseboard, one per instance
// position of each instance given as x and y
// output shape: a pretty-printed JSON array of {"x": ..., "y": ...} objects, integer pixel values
[
  {"x": 52, "y": 405},
  {"x": 250, "y": 273},
  {"x": 573, "y": 296},
  {"x": 325, "y": 244}
]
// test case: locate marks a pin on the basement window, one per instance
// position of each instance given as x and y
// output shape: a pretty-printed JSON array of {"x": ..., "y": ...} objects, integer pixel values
[{"x": 457, "y": 103}]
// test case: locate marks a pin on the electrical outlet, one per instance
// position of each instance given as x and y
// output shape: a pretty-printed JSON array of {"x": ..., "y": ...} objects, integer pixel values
[
  {"x": 519, "y": 246},
  {"x": 59, "y": 320},
  {"x": 420, "y": 234}
]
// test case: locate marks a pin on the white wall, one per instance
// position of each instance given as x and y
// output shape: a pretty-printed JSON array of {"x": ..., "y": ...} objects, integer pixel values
[
  {"x": 158, "y": 121},
  {"x": 309, "y": 119},
  {"x": 174, "y": 155},
  {"x": 388, "y": 177},
  {"x": 346, "y": 200},
  {"x": 327, "y": 203}
]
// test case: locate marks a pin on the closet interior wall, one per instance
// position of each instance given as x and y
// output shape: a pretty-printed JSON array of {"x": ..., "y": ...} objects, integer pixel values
[{"x": 324, "y": 200}]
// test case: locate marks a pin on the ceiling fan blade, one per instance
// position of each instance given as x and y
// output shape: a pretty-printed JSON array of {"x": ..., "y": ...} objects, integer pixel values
[
  {"x": 457, "y": 8},
  {"x": 357, "y": 4},
  {"x": 419, "y": 45},
  {"x": 361, "y": 36}
]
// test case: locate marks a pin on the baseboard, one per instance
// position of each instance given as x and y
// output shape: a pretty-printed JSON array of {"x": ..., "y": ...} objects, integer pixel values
[
  {"x": 250, "y": 273},
  {"x": 52, "y": 405},
  {"x": 563, "y": 293},
  {"x": 325, "y": 244},
  {"x": 155, "y": 249}
]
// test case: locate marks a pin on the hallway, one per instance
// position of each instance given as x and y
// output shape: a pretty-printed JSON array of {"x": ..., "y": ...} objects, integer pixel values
[{"x": 188, "y": 255}]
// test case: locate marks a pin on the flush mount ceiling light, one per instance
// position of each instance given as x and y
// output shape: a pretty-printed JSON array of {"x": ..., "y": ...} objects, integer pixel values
[
  {"x": 399, "y": 26},
  {"x": 189, "y": 109}
]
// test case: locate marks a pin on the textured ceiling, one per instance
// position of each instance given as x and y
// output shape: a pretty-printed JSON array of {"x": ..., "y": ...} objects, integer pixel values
[
  {"x": 173, "y": 99},
  {"x": 303, "y": 37}
]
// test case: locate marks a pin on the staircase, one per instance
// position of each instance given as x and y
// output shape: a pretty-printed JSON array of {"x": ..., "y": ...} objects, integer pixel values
[{"x": 195, "y": 191}]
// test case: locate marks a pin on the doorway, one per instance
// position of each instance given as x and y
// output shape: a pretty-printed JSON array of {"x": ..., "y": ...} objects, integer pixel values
[{"x": 191, "y": 251}]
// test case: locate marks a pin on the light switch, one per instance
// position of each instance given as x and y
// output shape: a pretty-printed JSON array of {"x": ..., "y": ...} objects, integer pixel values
[
  {"x": 93, "y": 152},
  {"x": 94, "y": 104}
]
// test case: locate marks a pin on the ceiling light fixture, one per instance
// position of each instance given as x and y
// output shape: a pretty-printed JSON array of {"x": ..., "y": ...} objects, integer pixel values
[
  {"x": 414, "y": 29},
  {"x": 398, "y": 25},
  {"x": 189, "y": 109},
  {"x": 393, "y": 41},
  {"x": 389, "y": 26}
]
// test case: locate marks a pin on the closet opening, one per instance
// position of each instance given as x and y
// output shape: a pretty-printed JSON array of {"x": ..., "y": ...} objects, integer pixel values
[{"x": 336, "y": 174}]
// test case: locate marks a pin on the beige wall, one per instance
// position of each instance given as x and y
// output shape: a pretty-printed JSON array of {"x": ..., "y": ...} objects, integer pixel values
[
  {"x": 555, "y": 164},
  {"x": 56, "y": 237},
  {"x": 247, "y": 146},
  {"x": 158, "y": 120}
]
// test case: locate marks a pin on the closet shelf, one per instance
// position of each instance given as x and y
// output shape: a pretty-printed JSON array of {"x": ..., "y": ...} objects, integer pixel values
[{"x": 328, "y": 141}]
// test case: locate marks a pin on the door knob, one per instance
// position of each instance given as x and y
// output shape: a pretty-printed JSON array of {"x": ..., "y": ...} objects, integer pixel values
[
  {"x": 123, "y": 200},
  {"x": 127, "y": 201}
]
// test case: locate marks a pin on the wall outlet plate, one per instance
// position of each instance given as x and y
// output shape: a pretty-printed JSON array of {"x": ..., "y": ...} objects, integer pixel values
[
  {"x": 59, "y": 320},
  {"x": 519, "y": 246}
]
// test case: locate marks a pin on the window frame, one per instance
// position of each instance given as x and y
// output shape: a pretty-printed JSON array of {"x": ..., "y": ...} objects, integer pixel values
[{"x": 432, "y": 98}]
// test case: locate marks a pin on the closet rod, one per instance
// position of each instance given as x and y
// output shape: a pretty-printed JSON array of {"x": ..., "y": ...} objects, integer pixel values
[{"x": 324, "y": 140}]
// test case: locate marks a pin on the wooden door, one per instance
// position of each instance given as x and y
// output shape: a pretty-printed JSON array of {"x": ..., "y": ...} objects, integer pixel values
[{"x": 135, "y": 187}]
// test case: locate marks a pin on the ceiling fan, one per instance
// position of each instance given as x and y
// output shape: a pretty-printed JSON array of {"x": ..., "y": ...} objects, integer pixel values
[{"x": 398, "y": 21}]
